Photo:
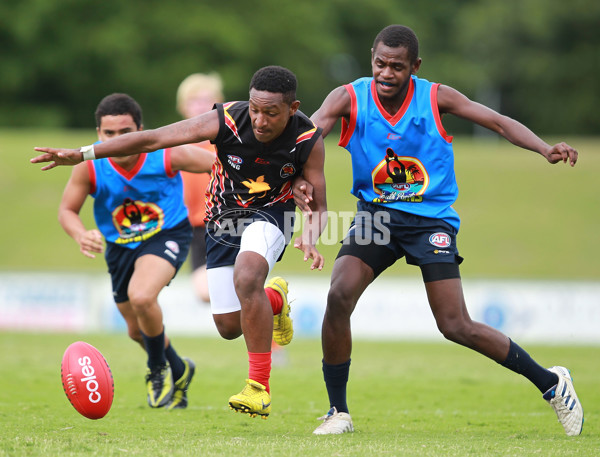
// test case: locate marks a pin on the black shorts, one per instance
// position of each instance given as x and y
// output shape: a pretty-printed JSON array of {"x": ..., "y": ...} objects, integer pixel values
[
  {"x": 198, "y": 247},
  {"x": 172, "y": 244},
  {"x": 379, "y": 236},
  {"x": 223, "y": 242}
]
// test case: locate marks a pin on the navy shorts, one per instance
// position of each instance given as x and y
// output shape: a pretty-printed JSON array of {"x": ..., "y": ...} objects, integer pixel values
[
  {"x": 172, "y": 245},
  {"x": 379, "y": 236},
  {"x": 223, "y": 240}
]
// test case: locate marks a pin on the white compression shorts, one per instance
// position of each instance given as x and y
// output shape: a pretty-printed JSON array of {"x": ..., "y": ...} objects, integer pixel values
[{"x": 261, "y": 237}]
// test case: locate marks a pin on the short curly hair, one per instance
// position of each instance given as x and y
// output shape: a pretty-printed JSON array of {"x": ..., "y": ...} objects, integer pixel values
[
  {"x": 116, "y": 104},
  {"x": 396, "y": 36},
  {"x": 278, "y": 80}
]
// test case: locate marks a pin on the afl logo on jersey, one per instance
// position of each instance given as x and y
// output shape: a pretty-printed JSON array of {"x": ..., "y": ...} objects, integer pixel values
[
  {"x": 440, "y": 240},
  {"x": 234, "y": 161},
  {"x": 401, "y": 187}
]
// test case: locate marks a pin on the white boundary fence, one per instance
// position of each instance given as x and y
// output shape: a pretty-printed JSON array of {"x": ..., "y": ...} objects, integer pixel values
[{"x": 529, "y": 311}]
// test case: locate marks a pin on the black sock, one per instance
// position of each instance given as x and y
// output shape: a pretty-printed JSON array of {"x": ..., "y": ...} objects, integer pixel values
[
  {"x": 521, "y": 362},
  {"x": 155, "y": 348},
  {"x": 336, "y": 379},
  {"x": 177, "y": 366}
]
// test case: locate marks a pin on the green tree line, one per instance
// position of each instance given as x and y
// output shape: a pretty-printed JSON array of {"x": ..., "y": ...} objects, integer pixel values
[{"x": 535, "y": 60}]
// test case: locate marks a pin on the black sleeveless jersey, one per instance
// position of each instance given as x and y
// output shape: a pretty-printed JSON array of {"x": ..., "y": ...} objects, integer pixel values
[{"x": 247, "y": 174}]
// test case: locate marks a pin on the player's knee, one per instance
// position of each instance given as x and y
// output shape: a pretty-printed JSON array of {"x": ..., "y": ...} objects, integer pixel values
[
  {"x": 455, "y": 330},
  {"x": 228, "y": 328},
  {"x": 228, "y": 333},
  {"x": 140, "y": 300},
  {"x": 339, "y": 302},
  {"x": 247, "y": 282},
  {"x": 135, "y": 335}
]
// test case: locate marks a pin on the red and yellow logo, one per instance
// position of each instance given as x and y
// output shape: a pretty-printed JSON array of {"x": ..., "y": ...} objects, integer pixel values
[
  {"x": 137, "y": 221},
  {"x": 398, "y": 178}
]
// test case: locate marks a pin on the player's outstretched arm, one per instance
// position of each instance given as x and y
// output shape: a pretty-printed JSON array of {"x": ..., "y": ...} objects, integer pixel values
[
  {"x": 315, "y": 222},
  {"x": 453, "y": 102},
  {"x": 194, "y": 130}
]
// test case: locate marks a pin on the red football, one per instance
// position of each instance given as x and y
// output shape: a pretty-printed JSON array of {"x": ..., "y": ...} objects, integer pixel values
[{"x": 87, "y": 380}]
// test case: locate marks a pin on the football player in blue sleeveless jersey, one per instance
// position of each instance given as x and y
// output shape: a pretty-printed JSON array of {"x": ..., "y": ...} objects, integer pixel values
[{"x": 403, "y": 174}]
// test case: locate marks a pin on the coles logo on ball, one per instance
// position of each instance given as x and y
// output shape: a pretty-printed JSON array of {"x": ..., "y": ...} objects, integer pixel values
[
  {"x": 91, "y": 384},
  {"x": 440, "y": 239}
]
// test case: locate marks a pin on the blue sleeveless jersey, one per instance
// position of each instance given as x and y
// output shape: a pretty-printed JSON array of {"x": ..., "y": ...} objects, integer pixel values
[
  {"x": 405, "y": 161},
  {"x": 131, "y": 206}
]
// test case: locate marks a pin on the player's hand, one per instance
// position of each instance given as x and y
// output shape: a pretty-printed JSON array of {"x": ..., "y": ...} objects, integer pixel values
[
  {"x": 91, "y": 241},
  {"x": 303, "y": 194},
  {"x": 57, "y": 157},
  {"x": 310, "y": 252},
  {"x": 562, "y": 152}
]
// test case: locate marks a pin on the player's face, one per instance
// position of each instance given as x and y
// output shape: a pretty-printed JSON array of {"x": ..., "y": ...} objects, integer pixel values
[
  {"x": 113, "y": 126},
  {"x": 269, "y": 114},
  {"x": 392, "y": 70}
]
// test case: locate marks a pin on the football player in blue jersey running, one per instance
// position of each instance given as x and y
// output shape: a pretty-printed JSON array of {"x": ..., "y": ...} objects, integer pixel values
[
  {"x": 403, "y": 167},
  {"x": 139, "y": 211}
]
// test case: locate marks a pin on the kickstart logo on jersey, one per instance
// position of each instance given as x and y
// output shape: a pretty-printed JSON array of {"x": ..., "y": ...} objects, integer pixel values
[
  {"x": 398, "y": 178},
  {"x": 137, "y": 221},
  {"x": 287, "y": 170}
]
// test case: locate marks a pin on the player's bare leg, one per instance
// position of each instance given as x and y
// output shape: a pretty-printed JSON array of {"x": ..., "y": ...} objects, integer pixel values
[
  {"x": 250, "y": 272},
  {"x": 350, "y": 277},
  {"x": 452, "y": 317},
  {"x": 448, "y": 305},
  {"x": 150, "y": 276}
]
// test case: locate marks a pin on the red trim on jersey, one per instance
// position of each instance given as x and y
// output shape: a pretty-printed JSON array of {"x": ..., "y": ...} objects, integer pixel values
[
  {"x": 229, "y": 122},
  {"x": 168, "y": 164},
  {"x": 396, "y": 117},
  {"x": 348, "y": 127},
  {"x": 131, "y": 173},
  {"x": 217, "y": 181},
  {"x": 92, "y": 174},
  {"x": 284, "y": 195},
  {"x": 436, "y": 113},
  {"x": 306, "y": 136}
]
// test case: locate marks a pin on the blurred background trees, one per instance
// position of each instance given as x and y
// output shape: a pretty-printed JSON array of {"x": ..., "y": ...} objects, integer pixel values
[{"x": 535, "y": 60}]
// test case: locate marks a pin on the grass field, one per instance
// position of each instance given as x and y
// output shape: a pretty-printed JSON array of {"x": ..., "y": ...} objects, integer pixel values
[
  {"x": 434, "y": 399},
  {"x": 522, "y": 218}
]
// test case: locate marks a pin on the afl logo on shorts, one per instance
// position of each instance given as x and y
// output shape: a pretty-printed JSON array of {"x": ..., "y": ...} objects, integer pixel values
[
  {"x": 440, "y": 240},
  {"x": 173, "y": 246}
]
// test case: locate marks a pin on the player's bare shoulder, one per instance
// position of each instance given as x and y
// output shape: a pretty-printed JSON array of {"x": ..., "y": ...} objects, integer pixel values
[
  {"x": 448, "y": 97},
  {"x": 340, "y": 101},
  {"x": 337, "y": 104}
]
